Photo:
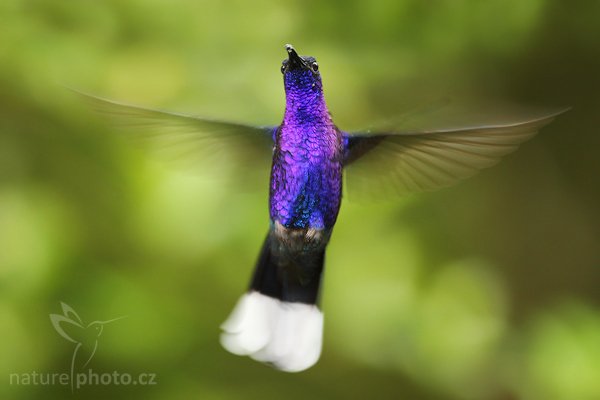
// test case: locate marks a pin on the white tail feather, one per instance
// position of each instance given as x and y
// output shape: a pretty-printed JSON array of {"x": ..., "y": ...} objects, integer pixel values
[{"x": 286, "y": 335}]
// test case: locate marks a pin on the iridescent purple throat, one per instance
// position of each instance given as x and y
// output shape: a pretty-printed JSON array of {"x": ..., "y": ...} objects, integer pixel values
[{"x": 306, "y": 176}]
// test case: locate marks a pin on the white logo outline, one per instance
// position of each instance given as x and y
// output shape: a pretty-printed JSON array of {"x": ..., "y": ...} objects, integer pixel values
[{"x": 71, "y": 317}]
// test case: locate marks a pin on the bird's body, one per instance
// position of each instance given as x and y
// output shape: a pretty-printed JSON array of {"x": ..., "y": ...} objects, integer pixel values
[
  {"x": 305, "y": 197},
  {"x": 278, "y": 321},
  {"x": 306, "y": 176}
]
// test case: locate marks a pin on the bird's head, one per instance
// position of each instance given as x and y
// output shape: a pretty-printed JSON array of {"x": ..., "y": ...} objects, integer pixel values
[
  {"x": 97, "y": 327},
  {"x": 301, "y": 75}
]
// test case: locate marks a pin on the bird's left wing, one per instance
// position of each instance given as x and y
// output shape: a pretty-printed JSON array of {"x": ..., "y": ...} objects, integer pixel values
[
  {"x": 217, "y": 144},
  {"x": 406, "y": 162}
]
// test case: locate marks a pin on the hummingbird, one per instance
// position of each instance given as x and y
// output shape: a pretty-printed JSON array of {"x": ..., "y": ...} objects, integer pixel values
[
  {"x": 85, "y": 336},
  {"x": 279, "y": 320}
]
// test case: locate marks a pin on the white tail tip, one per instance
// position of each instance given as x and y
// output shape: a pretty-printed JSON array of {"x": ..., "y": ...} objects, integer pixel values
[{"x": 287, "y": 335}]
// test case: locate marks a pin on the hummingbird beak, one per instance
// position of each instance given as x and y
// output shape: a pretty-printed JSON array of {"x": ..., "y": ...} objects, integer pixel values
[
  {"x": 102, "y": 323},
  {"x": 294, "y": 60},
  {"x": 111, "y": 320}
]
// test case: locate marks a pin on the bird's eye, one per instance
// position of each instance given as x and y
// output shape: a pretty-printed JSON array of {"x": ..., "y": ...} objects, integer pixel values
[
  {"x": 314, "y": 66},
  {"x": 283, "y": 69}
]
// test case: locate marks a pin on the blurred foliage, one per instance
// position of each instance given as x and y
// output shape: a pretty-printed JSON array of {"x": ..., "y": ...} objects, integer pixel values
[{"x": 488, "y": 290}]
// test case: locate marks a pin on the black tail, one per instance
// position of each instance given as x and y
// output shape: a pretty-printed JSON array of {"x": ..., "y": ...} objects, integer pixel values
[
  {"x": 278, "y": 321},
  {"x": 288, "y": 277}
]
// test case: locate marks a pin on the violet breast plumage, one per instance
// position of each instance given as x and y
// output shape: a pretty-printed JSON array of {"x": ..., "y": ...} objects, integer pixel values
[{"x": 306, "y": 177}]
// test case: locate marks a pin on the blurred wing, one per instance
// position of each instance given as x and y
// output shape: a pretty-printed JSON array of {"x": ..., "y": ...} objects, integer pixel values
[
  {"x": 182, "y": 137},
  {"x": 408, "y": 162}
]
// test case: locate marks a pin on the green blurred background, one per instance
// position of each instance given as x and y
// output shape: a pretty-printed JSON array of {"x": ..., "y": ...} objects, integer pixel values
[{"x": 487, "y": 290}]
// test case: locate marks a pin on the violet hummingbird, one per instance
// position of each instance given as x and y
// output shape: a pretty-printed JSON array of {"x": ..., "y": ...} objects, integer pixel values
[{"x": 278, "y": 320}]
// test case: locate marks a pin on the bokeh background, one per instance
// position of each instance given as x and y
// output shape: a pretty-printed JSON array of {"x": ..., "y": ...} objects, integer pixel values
[{"x": 487, "y": 290}]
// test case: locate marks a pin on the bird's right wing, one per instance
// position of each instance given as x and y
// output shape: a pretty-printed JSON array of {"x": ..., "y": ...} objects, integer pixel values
[{"x": 218, "y": 145}]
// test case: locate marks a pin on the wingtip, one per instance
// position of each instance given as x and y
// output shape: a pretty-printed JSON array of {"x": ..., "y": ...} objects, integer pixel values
[
  {"x": 74, "y": 89},
  {"x": 559, "y": 111}
]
